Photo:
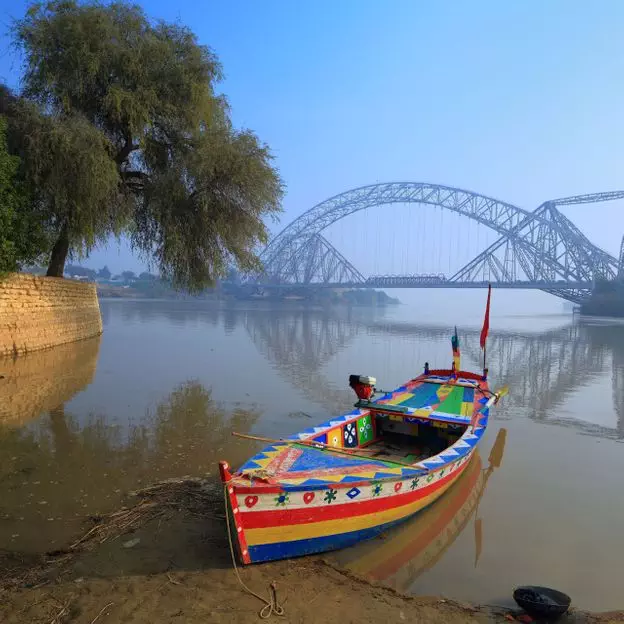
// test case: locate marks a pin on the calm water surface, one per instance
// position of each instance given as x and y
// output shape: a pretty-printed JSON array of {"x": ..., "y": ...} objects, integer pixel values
[{"x": 161, "y": 392}]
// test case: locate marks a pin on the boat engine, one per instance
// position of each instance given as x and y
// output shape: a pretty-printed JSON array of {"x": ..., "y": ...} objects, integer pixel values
[{"x": 363, "y": 386}]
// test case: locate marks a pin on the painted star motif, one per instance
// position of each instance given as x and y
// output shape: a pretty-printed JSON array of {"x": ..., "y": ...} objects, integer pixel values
[
  {"x": 377, "y": 489},
  {"x": 414, "y": 484},
  {"x": 330, "y": 496}
]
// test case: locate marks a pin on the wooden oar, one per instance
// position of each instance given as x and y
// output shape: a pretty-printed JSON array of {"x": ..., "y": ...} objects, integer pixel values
[
  {"x": 326, "y": 447},
  {"x": 499, "y": 394},
  {"x": 305, "y": 441},
  {"x": 494, "y": 398}
]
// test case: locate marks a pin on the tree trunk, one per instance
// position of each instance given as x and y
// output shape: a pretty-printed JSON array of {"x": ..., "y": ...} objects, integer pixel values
[
  {"x": 59, "y": 254},
  {"x": 63, "y": 437}
]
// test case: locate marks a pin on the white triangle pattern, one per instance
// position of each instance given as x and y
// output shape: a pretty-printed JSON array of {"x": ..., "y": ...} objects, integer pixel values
[{"x": 434, "y": 460}]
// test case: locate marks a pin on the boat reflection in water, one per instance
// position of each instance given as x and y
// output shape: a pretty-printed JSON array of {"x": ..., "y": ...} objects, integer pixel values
[{"x": 404, "y": 553}]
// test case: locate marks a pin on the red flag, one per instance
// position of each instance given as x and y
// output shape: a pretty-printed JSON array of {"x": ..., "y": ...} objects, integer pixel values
[{"x": 486, "y": 320}]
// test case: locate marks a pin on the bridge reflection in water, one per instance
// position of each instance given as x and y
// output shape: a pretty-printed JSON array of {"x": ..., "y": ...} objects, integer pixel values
[{"x": 543, "y": 369}]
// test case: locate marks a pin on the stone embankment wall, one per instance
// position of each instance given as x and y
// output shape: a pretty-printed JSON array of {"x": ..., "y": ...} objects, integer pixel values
[{"x": 41, "y": 312}]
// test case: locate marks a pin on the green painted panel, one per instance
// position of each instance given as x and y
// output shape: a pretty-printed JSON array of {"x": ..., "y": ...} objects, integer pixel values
[
  {"x": 453, "y": 402},
  {"x": 365, "y": 429}
]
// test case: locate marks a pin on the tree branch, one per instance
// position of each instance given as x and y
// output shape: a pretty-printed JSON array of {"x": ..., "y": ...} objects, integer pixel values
[
  {"x": 126, "y": 150},
  {"x": 127, "y": 175},
  {"x": 134, "y": 180}
]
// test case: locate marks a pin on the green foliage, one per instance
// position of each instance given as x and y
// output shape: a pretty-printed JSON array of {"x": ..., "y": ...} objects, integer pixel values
[
  {"x": 130, "y": 109},
  {"x": 21, "y": 235},
  {"x": 68, "y": 164}
]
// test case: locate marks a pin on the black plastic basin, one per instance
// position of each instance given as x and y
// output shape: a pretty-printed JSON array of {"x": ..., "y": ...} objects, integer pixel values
[{"x": 542, "y": 601}]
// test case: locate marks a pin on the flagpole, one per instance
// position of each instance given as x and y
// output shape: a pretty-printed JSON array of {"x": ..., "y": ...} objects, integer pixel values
[
  {"x": 485, "y": 330},
  {"x": 484, "y": 353}
]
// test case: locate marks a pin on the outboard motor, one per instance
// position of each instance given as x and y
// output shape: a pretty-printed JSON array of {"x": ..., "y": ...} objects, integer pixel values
[{"x": 363, "y": 386}]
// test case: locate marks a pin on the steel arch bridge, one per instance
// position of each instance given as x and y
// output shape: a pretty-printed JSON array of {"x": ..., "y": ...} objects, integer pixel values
[{"x": 540, "y": 250}]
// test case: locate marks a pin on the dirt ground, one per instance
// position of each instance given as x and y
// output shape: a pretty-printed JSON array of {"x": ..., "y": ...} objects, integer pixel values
[
  {"x": 309, "y": 592},
  {"x": 179, "y": 570}
]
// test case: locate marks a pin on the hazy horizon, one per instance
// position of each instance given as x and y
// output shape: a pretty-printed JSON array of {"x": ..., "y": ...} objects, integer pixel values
[{"x": 518, "y": 101}]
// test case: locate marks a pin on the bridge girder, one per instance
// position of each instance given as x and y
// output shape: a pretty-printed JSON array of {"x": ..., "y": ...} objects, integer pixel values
[
  {"x": 316, "y": 261},
  {"x": 540, "y": 246}
]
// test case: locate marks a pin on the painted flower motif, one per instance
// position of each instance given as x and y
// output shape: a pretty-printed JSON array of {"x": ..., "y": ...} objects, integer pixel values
[
  {"x": 442, "y": 472},
  {"x": 377, "y": 487},
  {"x": 282, "y": 499},
  {"x": 414, "y": 484},
  {"x": 430, "y": 478},
  {"x": 350, "y": 434},
  {"x": 330, "y": 496}
]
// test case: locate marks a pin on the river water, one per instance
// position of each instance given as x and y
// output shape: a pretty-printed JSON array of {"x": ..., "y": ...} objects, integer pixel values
[{"x": 161, "y": 392}]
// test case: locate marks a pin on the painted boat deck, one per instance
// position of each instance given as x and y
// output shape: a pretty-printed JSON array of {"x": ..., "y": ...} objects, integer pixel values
[
  {"x": 447, "y": 401},
  {"x": 299, "y": 465},
  {"x": 433, "y": 399},
  {"x": 406, "y": 453}
]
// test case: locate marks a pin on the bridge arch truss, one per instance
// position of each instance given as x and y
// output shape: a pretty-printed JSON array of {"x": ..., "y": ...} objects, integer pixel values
[{"x": 540, "y": 249}]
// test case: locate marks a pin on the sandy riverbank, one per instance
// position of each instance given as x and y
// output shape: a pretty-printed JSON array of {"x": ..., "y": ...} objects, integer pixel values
[
  {"x": 176, "y": 568},
  {"x": 309, "y": 591}
]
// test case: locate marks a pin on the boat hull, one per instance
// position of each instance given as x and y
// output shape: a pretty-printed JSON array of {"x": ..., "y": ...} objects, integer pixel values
[
  {"x": 421, "y": 541},
  {"x": 273, "y": 523}
]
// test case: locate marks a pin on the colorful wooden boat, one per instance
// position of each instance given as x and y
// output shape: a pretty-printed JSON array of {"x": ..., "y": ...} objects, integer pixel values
[{"x": 358, "y": 474}]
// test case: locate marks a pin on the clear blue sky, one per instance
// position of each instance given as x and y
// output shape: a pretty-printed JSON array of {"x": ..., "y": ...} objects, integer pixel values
[{"x": 520, "y": 100}]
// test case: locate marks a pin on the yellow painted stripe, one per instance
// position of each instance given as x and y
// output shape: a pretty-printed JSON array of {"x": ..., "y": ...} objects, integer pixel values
[
  {"x": 273, "y": 535},
  {"x": 399, "y": 398},
  {"x": 444, "y": 391},
  {"x": 467, "y": 409}
]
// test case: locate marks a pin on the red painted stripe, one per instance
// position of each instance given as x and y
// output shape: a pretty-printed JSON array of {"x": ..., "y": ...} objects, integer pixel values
[
  {"x": 259, "y": 488},
  {"x": 285, "y": 517},
  {"x": 284, "y": 461},
  {"x": 236, "y": 517}
]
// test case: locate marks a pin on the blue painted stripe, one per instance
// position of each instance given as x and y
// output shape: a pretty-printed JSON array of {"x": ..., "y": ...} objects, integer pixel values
[
  {"x": 298, "y": 548},
  {"x": 446, "y": 417}
]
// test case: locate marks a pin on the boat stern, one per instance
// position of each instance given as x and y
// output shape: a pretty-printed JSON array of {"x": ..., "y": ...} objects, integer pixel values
[{"x": 233, "y": 519}]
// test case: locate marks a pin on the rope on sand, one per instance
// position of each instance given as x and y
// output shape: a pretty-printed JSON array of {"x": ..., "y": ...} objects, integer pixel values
[{"x": 271, "y": 605}]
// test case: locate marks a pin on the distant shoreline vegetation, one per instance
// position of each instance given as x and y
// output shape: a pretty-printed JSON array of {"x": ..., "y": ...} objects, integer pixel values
[{"x": 129, "y": 285}]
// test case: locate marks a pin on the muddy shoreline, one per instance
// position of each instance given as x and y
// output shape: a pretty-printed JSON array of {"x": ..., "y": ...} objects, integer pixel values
[
  {"x": 307, "y": 590},
  {"x": 176, "y": 566}
]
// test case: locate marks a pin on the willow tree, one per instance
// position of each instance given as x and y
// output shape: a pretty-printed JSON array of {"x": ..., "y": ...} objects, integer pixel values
[
  {"x": 22, "y": 234},
  {"x": 132, "y": 137}
]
